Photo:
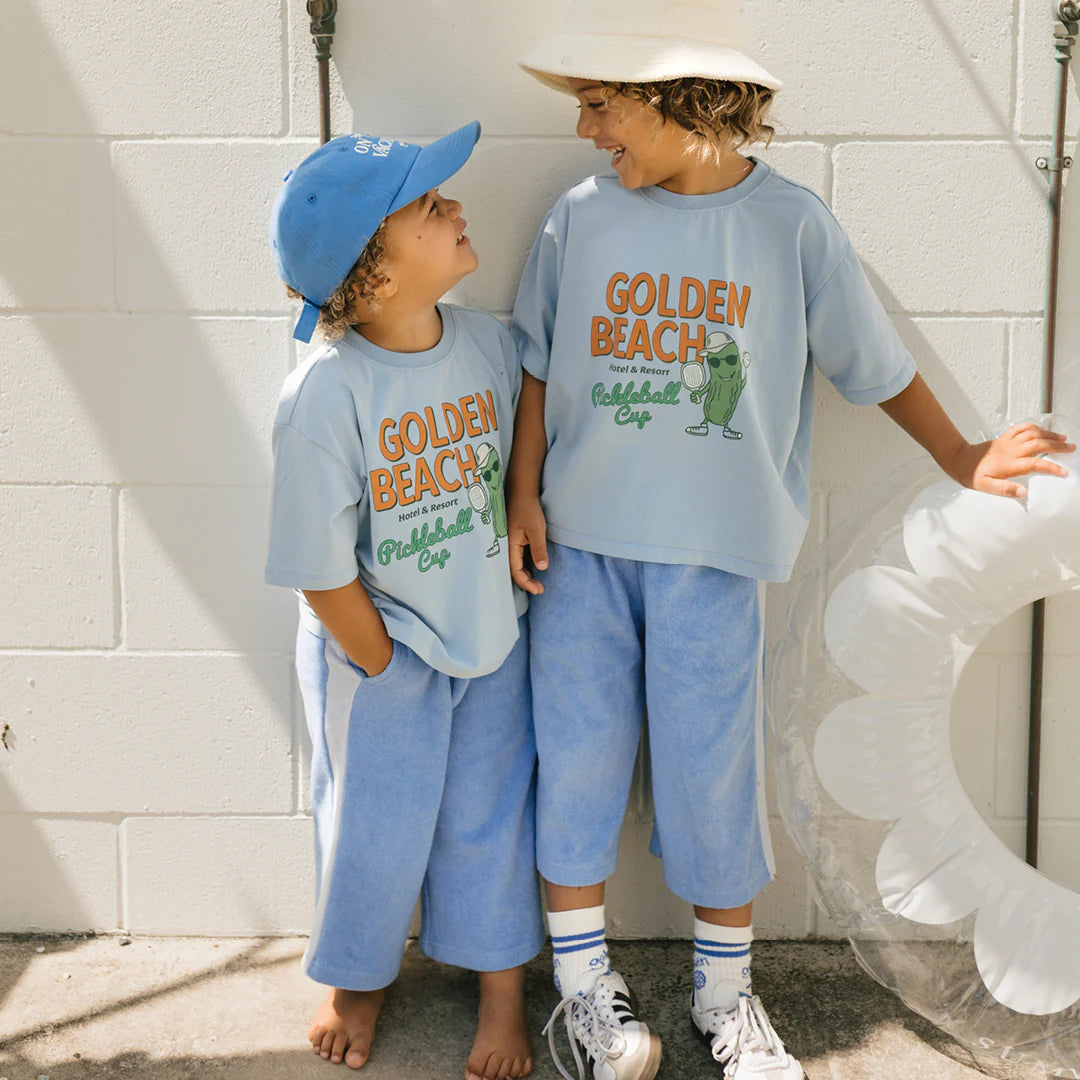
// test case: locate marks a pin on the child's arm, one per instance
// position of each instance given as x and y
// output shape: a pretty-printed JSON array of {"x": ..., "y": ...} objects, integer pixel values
[
  {"x": 526, "y": 527},
  {"x": 987, "y": 466},
  {"x": 356, "y": 624}
]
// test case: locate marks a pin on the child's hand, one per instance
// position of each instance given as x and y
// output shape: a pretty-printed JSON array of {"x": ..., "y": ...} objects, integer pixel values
[
  {"x": 377, "y": 658},
  {"x": 990, "y": 466},
  {"x": 526, "y": 528}
]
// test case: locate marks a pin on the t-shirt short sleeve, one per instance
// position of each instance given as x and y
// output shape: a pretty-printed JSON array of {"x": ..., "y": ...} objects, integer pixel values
[
  {"x": 533, "y": 323},
  {"x": 314, "y": 519},
  {"x": 513, "y": 365},
  {"x": 851, "y": 339}
]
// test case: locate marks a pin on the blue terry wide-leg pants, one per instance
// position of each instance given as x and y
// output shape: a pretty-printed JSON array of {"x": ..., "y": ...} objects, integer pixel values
[{"x": 421, "y": 785}]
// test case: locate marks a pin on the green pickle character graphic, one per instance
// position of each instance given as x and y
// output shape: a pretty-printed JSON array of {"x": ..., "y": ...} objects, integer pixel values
[
  {"x": 487, "y": 497},
  {"x": 719, "y": 378}
]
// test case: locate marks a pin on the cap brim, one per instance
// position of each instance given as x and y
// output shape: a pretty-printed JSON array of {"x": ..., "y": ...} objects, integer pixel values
[
  {"x": 638, "y": 58},
  {"x": 435, "y": 164}
]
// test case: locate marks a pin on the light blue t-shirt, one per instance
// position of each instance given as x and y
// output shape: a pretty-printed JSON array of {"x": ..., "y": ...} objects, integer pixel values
[
  {"x": 390, "y": 466},
  {"x": 678, "y": 335}
]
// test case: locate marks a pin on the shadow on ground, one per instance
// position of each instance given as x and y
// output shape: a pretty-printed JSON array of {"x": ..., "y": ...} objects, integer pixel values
[{"x": 172, "y": 1009}]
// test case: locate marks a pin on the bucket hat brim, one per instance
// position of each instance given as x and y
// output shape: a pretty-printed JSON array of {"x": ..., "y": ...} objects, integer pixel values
[{"x": 637, "y": 58}]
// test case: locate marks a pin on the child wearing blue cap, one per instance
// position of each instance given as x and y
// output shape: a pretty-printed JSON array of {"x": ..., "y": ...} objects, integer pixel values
[
  {"x": 388, "y": 518},
  {"x": 669, "y": 321}
]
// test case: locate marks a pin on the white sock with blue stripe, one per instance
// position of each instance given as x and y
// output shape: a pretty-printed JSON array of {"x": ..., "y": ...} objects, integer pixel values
[
  {"x": 577, "y": 945},
  {"x": 721, "y": 964}
]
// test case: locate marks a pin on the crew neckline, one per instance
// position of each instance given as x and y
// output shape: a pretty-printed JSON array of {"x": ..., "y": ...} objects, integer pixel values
[
  {"x": 427, "y": 358},
  {"x": 714, "y": 199}
]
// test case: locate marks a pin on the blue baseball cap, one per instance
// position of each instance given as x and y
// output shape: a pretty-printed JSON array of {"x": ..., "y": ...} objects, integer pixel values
[{"x": 330, "y": 205}]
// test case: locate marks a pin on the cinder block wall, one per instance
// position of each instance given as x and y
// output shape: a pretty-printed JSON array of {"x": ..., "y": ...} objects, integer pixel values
[{"x": 157, "y": 778}]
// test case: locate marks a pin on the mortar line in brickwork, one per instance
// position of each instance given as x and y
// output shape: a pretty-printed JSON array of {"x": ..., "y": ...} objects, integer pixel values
[
  {"x": 1027, "y": 142},
  {"x": 122, "y": 626},
  {"x": 204, "y": 815},
  {"x": 118, "y": 597},
  {"x": 1015, "y": 384},
  {"x": 830, "y": 171},
  {"x": 286, "y": 50},
  {"x": 91, "y": 817},
  {"x": 75, "y": 313},
  {"x": 961, "y": 315},
  {"x": 1014, "y": 74},
  {"x": 818, "y": 138},
  {"x": 300, "y": 140},
  {"x": 192, "y": 314},
  {"x": 112, "y": 199},
  {"x": 948, "y": 316},
  {"x": 294, "y": 750},
  {"x": 209, "y": 484},
  {"x": 1006, "y": 365},
  {"x": 119, "y": 138},
  {"x": 147, "y": 654},
  {"x": 121, "y": 875},
  {"x": 996, "y": 780}
]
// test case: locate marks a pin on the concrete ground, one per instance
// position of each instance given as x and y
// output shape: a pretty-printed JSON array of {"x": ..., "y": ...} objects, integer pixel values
[{"x": 183, "y": 1008}]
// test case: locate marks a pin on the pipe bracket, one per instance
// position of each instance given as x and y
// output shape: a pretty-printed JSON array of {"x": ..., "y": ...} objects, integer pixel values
[{"x": 322, "y": 13}]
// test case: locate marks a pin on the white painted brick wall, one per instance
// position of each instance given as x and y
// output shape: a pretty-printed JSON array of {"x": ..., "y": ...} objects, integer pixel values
[
  {"x": 157, "y": 782},
  {"x": 127, "y": 731}
]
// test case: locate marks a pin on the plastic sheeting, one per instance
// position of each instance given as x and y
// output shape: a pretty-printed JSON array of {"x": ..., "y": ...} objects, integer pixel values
[{"x": 936, "y": 907}]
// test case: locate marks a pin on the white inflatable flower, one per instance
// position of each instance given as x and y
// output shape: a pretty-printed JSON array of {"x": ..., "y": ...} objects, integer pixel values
[{"x": 904, "y": 636}]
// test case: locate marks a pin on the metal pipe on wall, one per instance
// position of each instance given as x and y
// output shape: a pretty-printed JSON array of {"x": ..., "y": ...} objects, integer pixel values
[
  {"x": 322, "y": 13},
  {"x": 1067, "y": 14}
]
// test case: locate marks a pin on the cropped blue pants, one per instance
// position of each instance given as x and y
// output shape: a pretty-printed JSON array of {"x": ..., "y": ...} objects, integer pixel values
[
  {"x": 421, "y": 785},
  {"x": 611, "y": 636}
]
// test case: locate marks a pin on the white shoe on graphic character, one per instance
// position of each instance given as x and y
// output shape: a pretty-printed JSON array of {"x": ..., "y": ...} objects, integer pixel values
[{"x": 601, "y": 1025}]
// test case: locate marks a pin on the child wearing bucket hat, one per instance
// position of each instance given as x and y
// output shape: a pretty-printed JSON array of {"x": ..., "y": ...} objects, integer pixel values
[
  {"x": 669, "y": 319},
  {"x": 412, "y": 647}
]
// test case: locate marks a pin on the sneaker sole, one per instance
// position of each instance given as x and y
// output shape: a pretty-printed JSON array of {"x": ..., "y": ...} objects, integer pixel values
[
  {"x": 652, "y": 1062},
  {"x": 706, "y": 1040}
]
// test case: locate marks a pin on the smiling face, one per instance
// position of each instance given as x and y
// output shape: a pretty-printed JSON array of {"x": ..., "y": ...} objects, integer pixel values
[
  {"x": 724, "y": 364},
  {"x": 645, "y": 150},
  {"x": 427, "y": 251},
  {"x": 492, "y": 472}
]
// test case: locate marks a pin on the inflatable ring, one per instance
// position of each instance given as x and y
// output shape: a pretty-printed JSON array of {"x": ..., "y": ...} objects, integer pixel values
[{"x": 936, "y": 906}]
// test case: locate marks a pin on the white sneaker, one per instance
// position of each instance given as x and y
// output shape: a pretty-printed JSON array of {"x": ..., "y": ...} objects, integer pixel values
[
  {"x": 600, "y": 1021},
  {"x": 742, "y": 1039}
]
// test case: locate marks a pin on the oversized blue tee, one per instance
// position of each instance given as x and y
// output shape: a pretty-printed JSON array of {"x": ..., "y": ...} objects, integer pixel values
[
  {"x": 390, "y": 467},
  {"x": 677, "y": 336}
]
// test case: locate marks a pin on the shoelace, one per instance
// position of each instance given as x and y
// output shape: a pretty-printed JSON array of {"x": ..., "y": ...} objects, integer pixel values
[
  {"x": 588, "y": 1019},
  {"x": 747, "y": 1030}
]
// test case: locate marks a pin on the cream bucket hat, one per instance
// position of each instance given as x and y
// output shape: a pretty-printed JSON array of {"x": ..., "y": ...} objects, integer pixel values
[{"x": 648, "y": 41}]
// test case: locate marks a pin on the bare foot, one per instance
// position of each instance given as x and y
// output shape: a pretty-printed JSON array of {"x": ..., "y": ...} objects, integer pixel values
[
  {"x": 502, "y": 1048},
  {"x": 344, "y": 1026}
]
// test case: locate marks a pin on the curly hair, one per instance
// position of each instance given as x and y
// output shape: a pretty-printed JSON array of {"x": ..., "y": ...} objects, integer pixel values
[
  {"x": 721, "y": 114},
  {"x": 356, "y": 294}
]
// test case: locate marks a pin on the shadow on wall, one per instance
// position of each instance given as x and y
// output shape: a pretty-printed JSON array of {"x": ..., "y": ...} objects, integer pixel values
[
  {"x": 152, "y": 424},
  {"x": 159, "y": 431},
  {"x": 1067, "y": 395},
  {"x": 963, "y": 61}
]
